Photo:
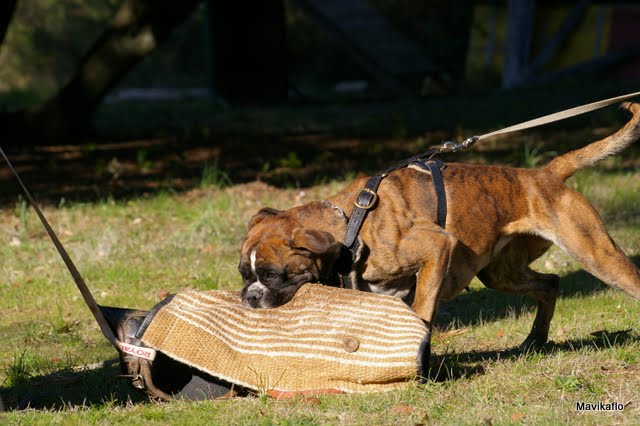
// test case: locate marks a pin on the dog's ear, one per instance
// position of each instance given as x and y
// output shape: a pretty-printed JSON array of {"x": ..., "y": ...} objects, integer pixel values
[
  {"x": 261, "y": 215},
  {"x": 312, "y": 241},
  {"x": 323, "y": 245}
]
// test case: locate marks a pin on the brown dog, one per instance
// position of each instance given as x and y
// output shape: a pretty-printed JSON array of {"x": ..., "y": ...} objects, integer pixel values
[{"x": 500, "y": 220}]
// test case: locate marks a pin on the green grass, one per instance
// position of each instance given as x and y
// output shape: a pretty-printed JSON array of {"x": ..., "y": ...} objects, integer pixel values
[{"x": 132, "y": 252}]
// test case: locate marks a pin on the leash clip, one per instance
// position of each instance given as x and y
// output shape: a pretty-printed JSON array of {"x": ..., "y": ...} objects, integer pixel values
[
  {"x": 469, "y": 142},
  {"x": 450, "y": 146}
]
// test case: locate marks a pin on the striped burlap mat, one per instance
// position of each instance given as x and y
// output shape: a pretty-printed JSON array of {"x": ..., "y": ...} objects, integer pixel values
[{"x": 324, "y": 339}]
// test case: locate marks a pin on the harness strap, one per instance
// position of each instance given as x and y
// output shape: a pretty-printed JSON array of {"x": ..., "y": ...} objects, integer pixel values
[
  {"x": 427, "y": 155},
  {"x": 364, "y": 202},
  {"x": 368, "y": 196},
  {"x": 435, "y": 167}
]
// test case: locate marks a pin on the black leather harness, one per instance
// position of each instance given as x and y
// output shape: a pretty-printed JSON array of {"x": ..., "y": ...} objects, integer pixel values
[
  {"x": 368, "y": 196},
  {"x": 367, "y": 199}
]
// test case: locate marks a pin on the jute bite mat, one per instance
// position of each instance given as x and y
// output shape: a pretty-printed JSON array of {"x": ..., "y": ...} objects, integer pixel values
[{"x": 325, "y": 338}]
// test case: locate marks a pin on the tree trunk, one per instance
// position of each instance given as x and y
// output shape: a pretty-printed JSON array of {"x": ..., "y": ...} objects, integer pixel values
[
  {"x": 7, "y": 7},
  {"x": 136, "y": 29},
  {"x": 520, "y": 22},
  {"x": 252, "y": 69}
]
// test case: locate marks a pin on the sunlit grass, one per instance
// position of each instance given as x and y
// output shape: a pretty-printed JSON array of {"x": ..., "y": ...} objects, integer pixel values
[{"x": 134, "y": 252}]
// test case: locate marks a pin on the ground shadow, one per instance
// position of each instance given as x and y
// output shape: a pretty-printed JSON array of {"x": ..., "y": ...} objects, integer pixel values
[
  {"x": 454, "y": 366},
  {"x": 68, "y": 389}
]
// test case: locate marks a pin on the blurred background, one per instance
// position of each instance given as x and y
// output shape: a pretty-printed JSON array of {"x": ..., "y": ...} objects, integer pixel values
[{"x": 118, "y": 97}]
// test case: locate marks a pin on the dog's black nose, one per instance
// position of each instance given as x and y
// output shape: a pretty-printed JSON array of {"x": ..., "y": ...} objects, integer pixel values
[{"x": 253, "y": 296}]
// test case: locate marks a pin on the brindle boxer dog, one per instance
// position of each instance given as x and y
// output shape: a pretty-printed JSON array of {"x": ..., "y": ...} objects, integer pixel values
[{"x": 500, "y": 220}]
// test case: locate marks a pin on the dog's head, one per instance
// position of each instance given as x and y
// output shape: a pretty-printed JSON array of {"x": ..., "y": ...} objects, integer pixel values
[{"x": 279, "y": 256}]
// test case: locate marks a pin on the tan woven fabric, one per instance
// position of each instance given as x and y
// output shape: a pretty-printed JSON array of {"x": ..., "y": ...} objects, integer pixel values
[{"x": 324, "y": 338}]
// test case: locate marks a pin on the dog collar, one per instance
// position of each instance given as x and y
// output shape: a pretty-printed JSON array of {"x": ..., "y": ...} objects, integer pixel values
[
  {"x": 345, "y": 275},
  {"x": 337, "y": 209}
]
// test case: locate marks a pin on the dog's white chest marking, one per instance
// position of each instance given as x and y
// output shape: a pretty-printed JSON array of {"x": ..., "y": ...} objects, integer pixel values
[{"x": 400, "y": 293}]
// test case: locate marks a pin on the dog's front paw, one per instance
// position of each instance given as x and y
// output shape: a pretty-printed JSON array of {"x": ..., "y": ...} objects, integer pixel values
[
  {"x": 531, "y": 344},
  {"x": 424, "y": 359}
]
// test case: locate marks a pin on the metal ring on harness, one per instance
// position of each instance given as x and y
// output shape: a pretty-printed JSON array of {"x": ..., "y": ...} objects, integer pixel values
[{"x": 369, "y": 203}]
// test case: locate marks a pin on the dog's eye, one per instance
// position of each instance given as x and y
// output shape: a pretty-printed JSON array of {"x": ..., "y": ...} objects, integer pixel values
[{"x": 269, "y": 276}]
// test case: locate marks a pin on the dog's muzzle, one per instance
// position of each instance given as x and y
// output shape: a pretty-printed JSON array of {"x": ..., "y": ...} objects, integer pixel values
[
  {"x": 258, "y": 296},
  {"x": 253, "y": 294}
]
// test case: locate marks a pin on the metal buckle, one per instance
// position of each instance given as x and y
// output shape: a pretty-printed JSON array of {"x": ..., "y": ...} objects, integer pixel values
[
  {"x": 138, "y": 382},
  {"x": 450, "y": 146},
  {"x": 370, "y": 203}
]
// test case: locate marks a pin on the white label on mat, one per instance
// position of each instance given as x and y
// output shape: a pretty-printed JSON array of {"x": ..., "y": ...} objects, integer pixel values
[{"x": 139, "y": 351}]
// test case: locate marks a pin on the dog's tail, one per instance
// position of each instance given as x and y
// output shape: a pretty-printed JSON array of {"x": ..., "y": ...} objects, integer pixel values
[{"x": 566, "y": 165}]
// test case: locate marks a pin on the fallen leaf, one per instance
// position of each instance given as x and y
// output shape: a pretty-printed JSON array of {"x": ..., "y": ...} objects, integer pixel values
[
  {"x": 402, "y": 409},
  {"x": 228, "y": 395},
  {"x": 517, "y": 416},
  {"x": 312, "y": 401},
  {"x": 449, "y": 334}
]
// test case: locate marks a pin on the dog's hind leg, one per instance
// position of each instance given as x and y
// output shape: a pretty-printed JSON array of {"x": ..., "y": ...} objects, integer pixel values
[
  {"x": 574, "y": 225},
  {"x": 510, "y": 272},
  {"x": 543, "y": 288}
]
